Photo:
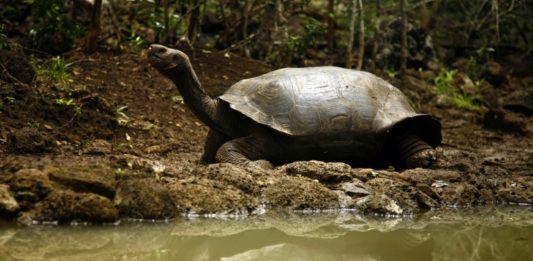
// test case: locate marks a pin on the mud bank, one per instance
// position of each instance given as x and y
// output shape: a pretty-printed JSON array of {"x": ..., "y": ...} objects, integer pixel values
[{"x": 133, "y": 152}]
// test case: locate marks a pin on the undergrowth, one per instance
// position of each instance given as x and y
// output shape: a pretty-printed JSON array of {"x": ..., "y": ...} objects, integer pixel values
[
  {"x": 445, "y": 84},
  {"x": 55, "y": 70}
]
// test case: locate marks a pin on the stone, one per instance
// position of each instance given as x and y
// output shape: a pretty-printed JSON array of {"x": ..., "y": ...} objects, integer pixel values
[
  {"x": 98, "y": 147},
  {"x": 520, "y": 102},
  {"x": 67, "y": 206},
  {"x": 379, "y": 204},
  {"x": 8, "y": 204},
  {"x": 300, "y": 193},
  {"x": 30, "y": 140},
  {"x": 330, "y": 172},
  {"x": 201, "y": 196},
  {"x": 428, "y": 176},
  {"x": 94, "y": 179},
  {"x": 355, "y": 188},
  {"x": 144, "y": 198},
  {"x": 30, "y": 186},
  {"x": 497, "y": 119}
]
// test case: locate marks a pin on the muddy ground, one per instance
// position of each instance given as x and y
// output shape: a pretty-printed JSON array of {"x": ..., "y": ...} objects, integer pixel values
[{"x": 96, "y": 160}]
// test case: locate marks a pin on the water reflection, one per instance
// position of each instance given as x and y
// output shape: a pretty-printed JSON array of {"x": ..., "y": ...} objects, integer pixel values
[{"x": 489, "y": 234}]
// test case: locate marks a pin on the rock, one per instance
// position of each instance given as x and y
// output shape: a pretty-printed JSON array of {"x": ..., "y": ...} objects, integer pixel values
[
  {"x": 202, "y": 196},
  {"x": 17, "y": 64},
  {"x": 516, "y": 193},
  {"x": 439, "y": 184},
  {"x": 354, "y": 188},
  {"x": 427, "y": 75},
  {"x": 331, "y": 172},
  {"x": 466, "y": 84},
  {"x": 365, "y": 174},
  {"x": 457, "y": 194},
  {"x": 144, "y": 198},
  {"x": 345, "y": 201},
  {"x": 8, "y": 204},
  {"x": 428, "y": 176},
  {"x": 95, "y": 179},
  {"x": 30, "y": 140},
  {"x": 379, "y": 204},
  {"x": 232, "y": 175},
  {"x": 66, "y": 206},
  {"x": 493, "y": 73},
  {"x": 30, "y": 186},
  {"x": 405, "y": 194},
  {"x": 299, "y": 193},
  {"x": 519, "y": 101},
  {"x": 499, "y": 120},
  {"x": 98, "y": 147}
]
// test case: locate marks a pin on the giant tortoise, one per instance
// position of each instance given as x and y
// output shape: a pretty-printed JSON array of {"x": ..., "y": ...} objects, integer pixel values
[{"x": 316, "y": 113}]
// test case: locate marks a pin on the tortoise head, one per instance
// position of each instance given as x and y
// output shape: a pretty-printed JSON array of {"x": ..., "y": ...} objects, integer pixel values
[{"x": 167, "y": 60}]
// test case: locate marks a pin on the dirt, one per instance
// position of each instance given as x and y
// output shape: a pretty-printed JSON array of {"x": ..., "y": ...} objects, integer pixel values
[{"x": 99, "y": 161}]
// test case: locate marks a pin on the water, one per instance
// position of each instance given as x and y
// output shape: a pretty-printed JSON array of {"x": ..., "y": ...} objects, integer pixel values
[{"x": 454, "y": 234}]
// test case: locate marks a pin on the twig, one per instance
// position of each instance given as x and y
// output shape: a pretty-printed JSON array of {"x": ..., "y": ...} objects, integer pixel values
[
  {"x": 11, "y": 77},
  {"x": 240, "y": 43}
]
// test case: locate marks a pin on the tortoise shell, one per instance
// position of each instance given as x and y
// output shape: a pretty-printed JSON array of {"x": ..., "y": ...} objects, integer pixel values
[{"x": 317, "y": 101}]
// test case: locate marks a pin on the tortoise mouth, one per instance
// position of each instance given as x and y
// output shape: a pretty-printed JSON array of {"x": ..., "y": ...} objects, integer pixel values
[{"x": 160, "y": 63}]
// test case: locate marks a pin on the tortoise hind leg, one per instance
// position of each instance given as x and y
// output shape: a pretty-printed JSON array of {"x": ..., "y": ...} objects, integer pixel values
[
  {"x": 247, "y": 151},
  {"x": 415, "y": 152}
]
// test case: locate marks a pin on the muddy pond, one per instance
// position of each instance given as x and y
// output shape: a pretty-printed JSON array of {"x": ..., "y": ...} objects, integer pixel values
[{"x": 501, "y": 233}]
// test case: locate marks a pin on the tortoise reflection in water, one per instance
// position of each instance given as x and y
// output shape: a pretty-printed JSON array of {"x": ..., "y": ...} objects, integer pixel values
[{"x": 316, "y": 113}]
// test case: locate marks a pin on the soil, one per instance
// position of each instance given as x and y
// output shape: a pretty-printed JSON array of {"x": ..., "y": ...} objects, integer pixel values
[{"x": 97, "y": 160}]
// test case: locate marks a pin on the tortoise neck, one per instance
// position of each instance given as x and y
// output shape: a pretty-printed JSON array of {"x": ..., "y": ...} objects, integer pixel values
[{"x": 201, "y": 104}]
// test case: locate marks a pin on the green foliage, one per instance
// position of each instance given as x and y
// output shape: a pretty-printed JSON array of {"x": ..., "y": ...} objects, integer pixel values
[
  {"x": 4, "y": 42},
  {"x": 314, "y": 31},
  {"x": 296, "y": 46},
  {"x": 121, "y": 117},
  {"x": 8, "y": 100},
  {"x": 445, "y": 84},
  {"x": 53, "y": 29},
  {"x": 157, "y": 21},
  {"x": 69, "y": 102},
  {"x": 177, "y": 99},
  {"x": 137, "y": 42},
  {"x": 481, "y": 56},
  {"x": 149, "y": 126},
  {"x": 55, "y": 70},
  {"x": 392, "y": 73},
  {"x": 120, "y": 172}
]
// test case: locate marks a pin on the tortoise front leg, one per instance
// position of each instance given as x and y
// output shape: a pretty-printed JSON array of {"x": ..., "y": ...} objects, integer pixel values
[
  {"x": 248, "y": 151},
  {"x": 415, "y": 152},
  {"x": 213, "y": 141}
]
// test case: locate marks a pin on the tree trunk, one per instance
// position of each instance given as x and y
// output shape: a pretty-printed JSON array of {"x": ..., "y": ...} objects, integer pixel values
[
  {"x": 349, "y": 54},
  {"x": 428, "y": 15},
  {"x": 377, "y": 35},
  {"x": 165, "y": 21},
  {"x": 403, "y": 62},
  {"x": 94, "y": 28},
  {"x": 156, "y": 12},
  {"x": 194, "y": 22},
  {"x": 226, "y": 36},
  {"x": 361, "y": 51},
  {"x": 245, "y": 15},
  {"x": 331, "y": 25},
  {"x": 495, "y": 8}
]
